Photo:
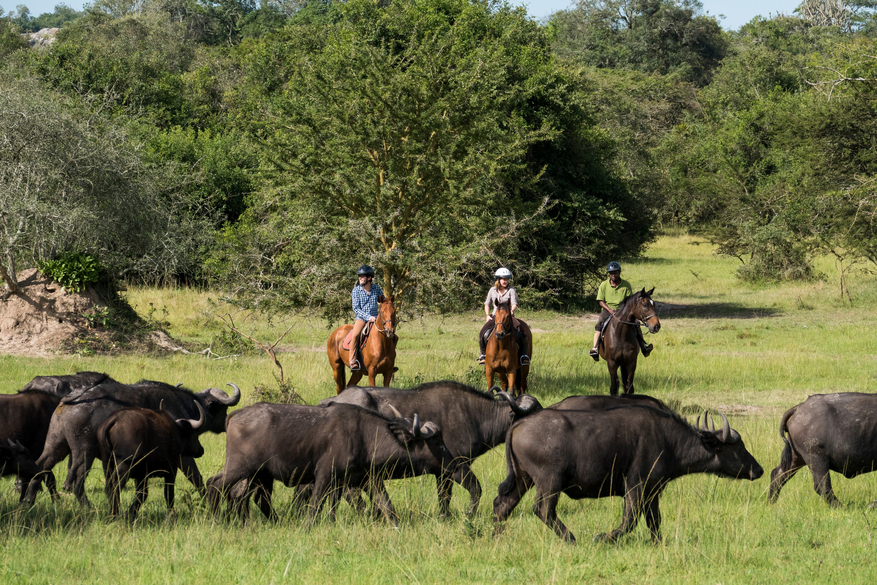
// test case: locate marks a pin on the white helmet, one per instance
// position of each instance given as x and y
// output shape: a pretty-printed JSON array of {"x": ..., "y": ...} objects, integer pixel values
[{"x": 503, "y": 273}]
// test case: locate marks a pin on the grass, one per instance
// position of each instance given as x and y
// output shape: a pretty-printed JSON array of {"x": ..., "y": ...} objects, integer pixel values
[{"x": 750, "y": 350}]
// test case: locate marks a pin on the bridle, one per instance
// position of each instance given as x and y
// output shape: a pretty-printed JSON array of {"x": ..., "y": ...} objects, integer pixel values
[
  {"x": 386, "y": 331},
  {"x": 639, "y": 320},
  {"x": 497, "y": 324}
]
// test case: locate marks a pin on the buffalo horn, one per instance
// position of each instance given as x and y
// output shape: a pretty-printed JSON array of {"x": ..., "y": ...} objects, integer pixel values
[
  {"x": 507, "y": 397},
  {"x": 712, "y": 425},
  {"x": 494, "y": 389},
  {"x": 702, "y": 425},
  {"x": 225, "y": 398},
  {"x": 195, "y": 424},
  {"x": 396, "y": 413},
  {"x": 726, "y": 428}
]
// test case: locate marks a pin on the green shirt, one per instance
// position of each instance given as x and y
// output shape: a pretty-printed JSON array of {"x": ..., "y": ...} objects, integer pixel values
[{"x": 613, "y": 296}]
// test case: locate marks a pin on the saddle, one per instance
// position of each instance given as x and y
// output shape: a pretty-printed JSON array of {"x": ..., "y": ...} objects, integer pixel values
[{"x": 363, "y": 337}]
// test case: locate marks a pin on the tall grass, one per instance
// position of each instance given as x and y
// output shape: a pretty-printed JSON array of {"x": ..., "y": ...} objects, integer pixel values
[{"x": 749, "y": 350}]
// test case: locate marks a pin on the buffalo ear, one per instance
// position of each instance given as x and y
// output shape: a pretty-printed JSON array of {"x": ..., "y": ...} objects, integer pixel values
[
  {"x": 710, "y": 441},
  {"x": 650, "y": 292},
  {"x": 401, "y": 427}
]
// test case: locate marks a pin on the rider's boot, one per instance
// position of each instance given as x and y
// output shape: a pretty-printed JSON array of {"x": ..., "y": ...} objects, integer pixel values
[
  {"x": 482, "y": 344},
  {"x": 646, "y": 348},
  {"x": 355, "y": 355},
  {"x": 595, "y": 353},
  {"x": 521, "y": 339}
]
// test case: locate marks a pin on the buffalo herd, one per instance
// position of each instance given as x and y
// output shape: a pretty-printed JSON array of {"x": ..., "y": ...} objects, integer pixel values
[{"x": 629, "y": 446}]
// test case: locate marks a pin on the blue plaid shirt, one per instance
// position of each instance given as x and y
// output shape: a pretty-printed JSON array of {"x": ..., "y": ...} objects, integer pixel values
[{"x": 365, "y": 304}]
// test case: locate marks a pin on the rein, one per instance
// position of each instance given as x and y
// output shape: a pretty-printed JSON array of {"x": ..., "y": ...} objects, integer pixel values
[{"x": 638, "y": 322}]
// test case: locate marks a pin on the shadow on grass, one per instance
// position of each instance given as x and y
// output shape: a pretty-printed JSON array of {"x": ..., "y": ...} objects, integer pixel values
[{"x": 713, "y": 311}]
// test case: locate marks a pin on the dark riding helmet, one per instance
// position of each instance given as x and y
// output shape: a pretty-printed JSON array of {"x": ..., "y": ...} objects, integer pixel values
[
  {"x": 365, "y": 270},
  {"x": 613, "y": 266}
]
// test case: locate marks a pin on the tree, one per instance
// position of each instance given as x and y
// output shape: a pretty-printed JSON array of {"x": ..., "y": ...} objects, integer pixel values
[
  {"x": 70, "y": 181},
  {"x": 434, "y": 140},
  {"x": 652, "y": 36}
]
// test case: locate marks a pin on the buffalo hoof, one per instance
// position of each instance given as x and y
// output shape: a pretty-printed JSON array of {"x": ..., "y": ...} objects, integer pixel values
[
  {"x": 605, "y": 537},
  {"x": 872, "y": 505}
]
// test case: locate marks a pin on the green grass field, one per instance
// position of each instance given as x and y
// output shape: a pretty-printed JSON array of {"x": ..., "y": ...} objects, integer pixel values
[{"x": 749, "y": 351}]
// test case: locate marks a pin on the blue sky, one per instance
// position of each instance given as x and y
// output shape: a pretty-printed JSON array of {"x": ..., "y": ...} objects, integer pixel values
[{"x": 737, "y": 13}]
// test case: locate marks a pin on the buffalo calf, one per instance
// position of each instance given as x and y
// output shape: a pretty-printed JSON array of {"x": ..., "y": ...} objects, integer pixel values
[
  {"x": 827, "y": 432},
  {"x": 140, "y": 443},
  {"x": 631, "y": 451}
]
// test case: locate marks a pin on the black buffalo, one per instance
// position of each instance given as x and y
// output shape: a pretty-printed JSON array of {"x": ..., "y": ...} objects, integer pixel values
[
  {"x": 331, "y": 448},
  {"x": 67, "y": 384},
  {"x": 605, "y": 402},
  {"x": 631, "y": 451},
  {"x": 472, "y": 422},
  {"x": 16, "y": 460},
  {"x": 140, "y": 443},
  {"x": 25, "y": 416},
  {"x": 827, "y": 432},
  {"x": 72, "y": 430}
]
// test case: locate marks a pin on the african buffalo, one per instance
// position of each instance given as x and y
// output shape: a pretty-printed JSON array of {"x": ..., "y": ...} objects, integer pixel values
[
  {"x": 15, "y": 459},
  {"x": 604, "y": 402},
  {"x": 140, "y": 443},
  {"x": 72, "y": 430},
  {"x": 827, "y": 432},
  {"x": 472, "y": 422},
  {"x": 630, "y": 451},
  {"x": 332, "y": 448},
  {"x": 67, "y": 384}
]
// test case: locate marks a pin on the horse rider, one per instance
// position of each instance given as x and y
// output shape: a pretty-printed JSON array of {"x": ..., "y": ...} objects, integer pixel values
[
  {"x": 365, "y": 297},
  {"x": 501, "y": 293},
  {"x": 610, "y": 294}
]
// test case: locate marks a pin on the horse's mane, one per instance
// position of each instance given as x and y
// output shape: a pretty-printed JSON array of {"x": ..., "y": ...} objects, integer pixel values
[
  {"x": 427, "y": 386},
  {"x": 627, "y": 298}
]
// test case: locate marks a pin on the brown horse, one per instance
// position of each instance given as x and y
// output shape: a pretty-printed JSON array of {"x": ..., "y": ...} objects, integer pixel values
[
  {"x": 378, "y": 355},
  {"x": 502, "y": 354},
  {"x": 619, "y": 346}
]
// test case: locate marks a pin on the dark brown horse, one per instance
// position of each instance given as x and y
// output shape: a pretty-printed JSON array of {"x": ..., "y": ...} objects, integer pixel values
[
  {"x": 502, "y": 356},
  {"x": 378, "y": 354},
  {"x": 620, "y": 347}
]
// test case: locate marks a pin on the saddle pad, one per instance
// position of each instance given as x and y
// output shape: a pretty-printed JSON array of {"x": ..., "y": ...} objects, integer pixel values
[{"x": 363, "y": 337}]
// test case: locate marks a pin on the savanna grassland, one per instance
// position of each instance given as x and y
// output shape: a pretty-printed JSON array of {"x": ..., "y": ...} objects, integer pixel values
[{"x": 750, "y": 351}]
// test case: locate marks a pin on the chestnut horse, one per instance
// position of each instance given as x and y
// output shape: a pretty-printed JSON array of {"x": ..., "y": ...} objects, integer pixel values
[
  {"x": 502, "y": 354},
  {"x": 619, "y": 346},
  {"x": 378, "y": 355}
]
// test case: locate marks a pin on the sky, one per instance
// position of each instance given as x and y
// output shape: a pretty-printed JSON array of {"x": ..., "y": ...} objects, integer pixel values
[{"x": 736, "y": 13}]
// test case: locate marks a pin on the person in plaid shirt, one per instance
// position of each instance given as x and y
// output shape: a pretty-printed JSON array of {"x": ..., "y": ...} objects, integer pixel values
[{"x": 365, "y": 306}]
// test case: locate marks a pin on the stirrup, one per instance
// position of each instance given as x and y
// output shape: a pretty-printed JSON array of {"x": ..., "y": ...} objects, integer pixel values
[
  {"x": 595, "y": 353},
  {"x": 355, "y": 366},
  {"x": 481, "y": 359},
  {"x": 525, "y": 360}
]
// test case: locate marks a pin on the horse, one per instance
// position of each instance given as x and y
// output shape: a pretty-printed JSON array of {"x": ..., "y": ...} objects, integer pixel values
[
  {"x": 501, "y": 356},
  {"x": 619, "y": 346},
  {"x": 378, "y": 354}
]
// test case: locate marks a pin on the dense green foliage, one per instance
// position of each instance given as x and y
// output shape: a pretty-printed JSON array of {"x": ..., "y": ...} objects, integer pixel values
[
  {"x": 439, "y": 139},
  {"x": 73, "y": 270}
]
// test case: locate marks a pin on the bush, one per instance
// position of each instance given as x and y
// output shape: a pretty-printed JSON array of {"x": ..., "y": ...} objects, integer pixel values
[{"x": 73, "y": 270}]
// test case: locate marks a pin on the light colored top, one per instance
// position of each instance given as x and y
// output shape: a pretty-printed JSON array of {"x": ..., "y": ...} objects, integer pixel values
[
  {"x": 494, "y": 298},
  {"x": 613, "y": 296}
]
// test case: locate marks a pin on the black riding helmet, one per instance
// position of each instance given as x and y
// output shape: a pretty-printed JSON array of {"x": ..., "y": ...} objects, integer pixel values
[
  {"x": 365, "y": 270},
  {"x": 613, "y": 266}
]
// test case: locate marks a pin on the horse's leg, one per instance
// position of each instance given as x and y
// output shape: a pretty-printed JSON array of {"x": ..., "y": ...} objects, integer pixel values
[
  {"x": 488, "y": 372},
  {"x": 355, "y": 377},
  {"x": 613, "y": 377},
  {"x": 511, "y": 382},
  {"x": 627, "y": 372},
  {"x": 340, "y": 375}
]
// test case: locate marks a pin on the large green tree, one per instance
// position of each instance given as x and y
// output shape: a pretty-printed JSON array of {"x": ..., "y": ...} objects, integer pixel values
[{"x": 434, "y": 139}]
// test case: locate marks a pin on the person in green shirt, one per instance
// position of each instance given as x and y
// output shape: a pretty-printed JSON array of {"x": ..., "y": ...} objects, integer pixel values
[{"x": 610, "y": 294}]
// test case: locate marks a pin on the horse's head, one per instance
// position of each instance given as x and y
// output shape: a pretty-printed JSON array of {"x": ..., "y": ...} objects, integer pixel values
[
  {"x": 502, "y": 320},
  {"x": 643, "y": 309},
  {"x": 386, "y": 320}
]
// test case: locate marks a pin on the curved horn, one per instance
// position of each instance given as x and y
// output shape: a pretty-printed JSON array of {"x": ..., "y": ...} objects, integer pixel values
[
  {"x": 195, "y": 424},
  {"x": 702, "y": 425},
  {"x": 180, "y": 385},
  {"x": 416, "y": 426},
  {"x": 396, "y": 413},
  {"x": 494, "y": 389},
  {"x": 507, "y": 397},
  {"x": 726, "y": 428},
  {"x": 713, "y": 424},
  {"x": 224, "y": 398}
]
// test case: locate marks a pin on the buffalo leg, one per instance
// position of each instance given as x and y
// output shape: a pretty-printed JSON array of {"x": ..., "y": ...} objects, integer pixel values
[
  {"x": 141, "y": 492},
  {"x": 169, "y": 485},
  {"x": 545, "y": 509},
  {"x": 822, "y": 481},
  {"x": 262, "y": 492},
  {"x": 319, "y": 491},
  {"x": 381, "y": 502},
  {"x": 55, "y": 450},
  {"x": 464, "y": 476},
  {"x": 81, "y": 466},
  {"x": 629, "y": 518},
  {"x": 510, "y": 493},
  {"x": 790, "y": 463},
  {"x": 653, "y": 518},
  {"x": 113, "y": 485}
]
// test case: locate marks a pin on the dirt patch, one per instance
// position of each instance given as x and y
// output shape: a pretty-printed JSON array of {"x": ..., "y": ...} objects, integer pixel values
[
  {"x": 738, "y": 409},
  {"x": 42, "y": 317}
]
